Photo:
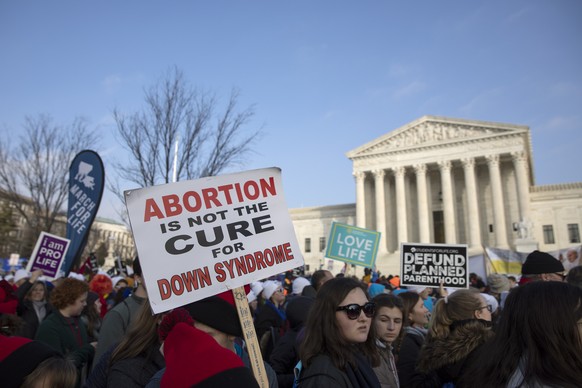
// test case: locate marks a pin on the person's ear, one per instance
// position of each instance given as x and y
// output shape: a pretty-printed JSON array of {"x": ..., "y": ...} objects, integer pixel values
[{"x": 477, "y": 314}]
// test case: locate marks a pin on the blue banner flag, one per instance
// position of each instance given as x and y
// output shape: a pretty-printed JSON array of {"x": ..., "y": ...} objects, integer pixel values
[{"x": 86, "y": 181}]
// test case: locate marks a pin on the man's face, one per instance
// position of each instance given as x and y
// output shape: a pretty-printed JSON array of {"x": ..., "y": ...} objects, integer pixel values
[{"x": 572, "y": 256}]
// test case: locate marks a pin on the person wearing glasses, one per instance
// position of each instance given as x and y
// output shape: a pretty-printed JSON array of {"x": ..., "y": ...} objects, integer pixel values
[
  {"x": 537, "y": 342},
  {"x": 339, "y": 348},
  {"x": 461, "y": 323},
  {"x": 416, "y": 317}
]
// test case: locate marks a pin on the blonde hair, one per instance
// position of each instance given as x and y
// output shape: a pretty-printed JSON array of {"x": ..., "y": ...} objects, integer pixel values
[
  {"x": 54, "y": 372},
  {"x": 458, "y": 306}
]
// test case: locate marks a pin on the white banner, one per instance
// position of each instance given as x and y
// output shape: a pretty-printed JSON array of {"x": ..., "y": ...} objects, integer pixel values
[{"x": 198, "y": 238}]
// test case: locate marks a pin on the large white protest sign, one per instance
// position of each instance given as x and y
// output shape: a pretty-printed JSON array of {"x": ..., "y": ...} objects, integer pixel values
[
  {"x": 199, "y": 238},
  {"x": 430, "y": 264}
]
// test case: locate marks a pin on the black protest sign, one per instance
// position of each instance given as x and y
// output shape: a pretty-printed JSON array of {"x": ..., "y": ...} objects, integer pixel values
[{"x": 430, "y": 264}]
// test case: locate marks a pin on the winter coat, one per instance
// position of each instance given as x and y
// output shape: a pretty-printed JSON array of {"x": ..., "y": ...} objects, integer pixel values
[
  {"x": 408, "y": 354},
  {"x": 284, "y": 357},
  {"x": 285, "y": 354},
  {"x": 156, "y": 380},
  {"x": 27, "y": 312},
  {"x": 68, "y": 336},
  {"x": 270, "y": 326},
  {"x": 136, "y": 371},
  {"x": 443, "y": 360},
  {"x": 386, "y": 371},
  {"x": 116, "y": 323},
  {"x": 322, "y": 373}
]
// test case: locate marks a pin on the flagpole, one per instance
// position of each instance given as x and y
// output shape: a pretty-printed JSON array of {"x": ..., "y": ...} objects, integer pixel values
[{"x": 175, "y": 174}]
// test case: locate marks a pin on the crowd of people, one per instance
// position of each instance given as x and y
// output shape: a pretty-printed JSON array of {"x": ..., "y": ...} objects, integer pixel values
[{"x": 319, "y": 330}]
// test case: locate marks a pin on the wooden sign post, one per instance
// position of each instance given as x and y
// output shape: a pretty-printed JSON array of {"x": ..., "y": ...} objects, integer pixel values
[{"x": 246, "y": 321}]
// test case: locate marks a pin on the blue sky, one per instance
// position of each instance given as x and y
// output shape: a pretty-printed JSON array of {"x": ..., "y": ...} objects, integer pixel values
[{"x": 325, "y": 76}]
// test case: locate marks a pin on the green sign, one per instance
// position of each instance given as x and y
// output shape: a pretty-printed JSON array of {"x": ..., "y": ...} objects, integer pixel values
[{"x": 353, "y": 245}]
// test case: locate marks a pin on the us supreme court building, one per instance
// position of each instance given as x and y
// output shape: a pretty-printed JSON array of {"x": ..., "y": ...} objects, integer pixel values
[{"x": 446, "y": 180}]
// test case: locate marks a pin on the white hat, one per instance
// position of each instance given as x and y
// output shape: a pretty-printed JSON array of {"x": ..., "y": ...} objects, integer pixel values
[
  {"x": 251, "y": 297},
  {"x": 299, "y": 284},
  {"x": 491, "y": 301},
  {"x": 101, "y": 272},
  {"x": 116, "y": 279},
  {"x": 77, "y": 276},
  {"x": 257, "y": 287},
  {"x": 8, "y": 277},
  {"x": 21, "y": 274},
  {"x": 417, "y": 289},
  {"x": 269, "y": 288}
]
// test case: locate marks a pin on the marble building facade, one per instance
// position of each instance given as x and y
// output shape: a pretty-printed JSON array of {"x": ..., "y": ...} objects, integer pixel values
[{"x": 445, "y": 180}]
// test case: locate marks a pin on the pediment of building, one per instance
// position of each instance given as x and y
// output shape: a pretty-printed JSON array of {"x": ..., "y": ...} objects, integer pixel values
[{"x": 432, "y": 131}]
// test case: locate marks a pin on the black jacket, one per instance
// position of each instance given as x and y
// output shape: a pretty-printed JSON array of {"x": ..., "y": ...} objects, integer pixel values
[
  {"x": 408, "y": 355},
  {"x": 443, "y": 360},
  {"x": 26, "y": 311}
]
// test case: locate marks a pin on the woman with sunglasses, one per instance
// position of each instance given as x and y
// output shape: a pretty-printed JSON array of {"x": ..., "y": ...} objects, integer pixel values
[
  {"x": 339, "y": 348},
  {"x": 461, "y": 323}
]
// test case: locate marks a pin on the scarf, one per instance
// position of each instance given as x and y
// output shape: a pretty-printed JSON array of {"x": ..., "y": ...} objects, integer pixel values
[
  {"x": 40, "y": 309},
  {"x": 362, "y": 375},
  {"x": 422, "y": 332},
  {"x": 279, "y": 311}
]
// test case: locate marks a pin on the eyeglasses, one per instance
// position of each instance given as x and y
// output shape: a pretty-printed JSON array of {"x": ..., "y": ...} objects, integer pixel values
[
  {"x": 560, "y": 274},
  {"x": 353, "y": 310},
  {"x": 488, "y": 307}
]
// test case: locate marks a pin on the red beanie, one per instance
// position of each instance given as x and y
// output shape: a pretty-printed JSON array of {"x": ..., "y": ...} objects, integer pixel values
[{"x": 194, "y": 358}]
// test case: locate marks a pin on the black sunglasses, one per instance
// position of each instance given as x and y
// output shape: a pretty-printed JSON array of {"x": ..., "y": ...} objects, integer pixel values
[{"x": 353, "y": 310}]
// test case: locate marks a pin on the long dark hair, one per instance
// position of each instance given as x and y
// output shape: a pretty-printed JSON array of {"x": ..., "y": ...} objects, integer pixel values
[
  {"x": 409, "y": 300},
  {"x": 141, "y": 336},
  {"x": 537, "y": 333},
  {"x": 390, "y": 301},
  {"x": 322, "y": 333}
]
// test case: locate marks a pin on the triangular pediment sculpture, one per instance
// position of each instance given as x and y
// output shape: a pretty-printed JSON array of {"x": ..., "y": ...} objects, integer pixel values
[{"x": 432, "y": 130}]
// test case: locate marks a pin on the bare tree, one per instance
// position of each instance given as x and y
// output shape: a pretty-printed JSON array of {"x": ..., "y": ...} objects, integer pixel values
[
  {"x": 34, "y": 173},
  {"x": 209, "y": 142}
]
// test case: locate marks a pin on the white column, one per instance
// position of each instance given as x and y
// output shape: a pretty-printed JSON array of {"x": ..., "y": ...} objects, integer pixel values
[
  {"x": 520, "y": 163},
  {"x": 401, "y": 219},
  {"x": 423, "y": 220},
  {"x": 499, "y": 227},
  {"x": 380, "y": 208},
  {"x": 360, "y": 199},
  {"x": 448, "y": 205},
  {"x": 472, "y": 203}
]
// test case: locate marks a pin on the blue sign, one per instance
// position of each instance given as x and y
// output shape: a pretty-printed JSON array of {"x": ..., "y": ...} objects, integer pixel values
[
  {"x": 86, "y": 181},
  {"x": 353, "y": 245}
]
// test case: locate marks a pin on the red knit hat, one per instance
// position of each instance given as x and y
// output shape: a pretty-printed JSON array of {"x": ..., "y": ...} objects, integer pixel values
[
  {"x": 194, "y": 358},
  {"x": 20, "y": 356}
]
